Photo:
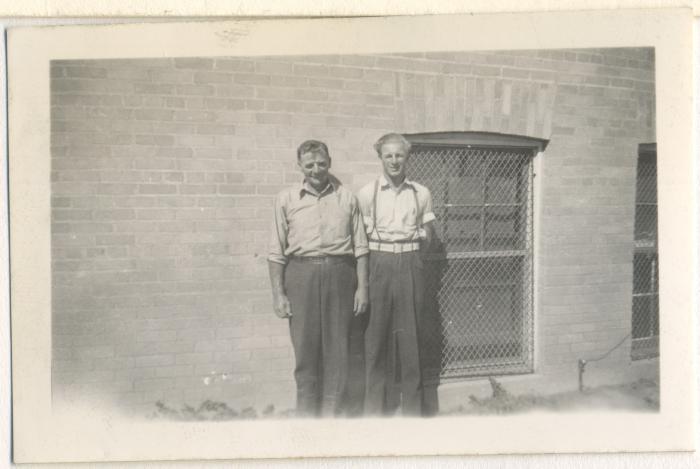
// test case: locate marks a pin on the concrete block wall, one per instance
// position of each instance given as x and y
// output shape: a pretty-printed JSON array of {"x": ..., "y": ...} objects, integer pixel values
[{"x": 163, "y": 173}]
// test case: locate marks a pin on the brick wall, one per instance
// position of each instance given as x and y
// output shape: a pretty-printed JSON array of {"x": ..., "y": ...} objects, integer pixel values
[{"x": 163, "y": 173}]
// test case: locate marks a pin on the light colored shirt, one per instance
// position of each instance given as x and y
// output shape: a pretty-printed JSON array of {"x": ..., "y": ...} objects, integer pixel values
[
  {"x": 401, "y": 212},
  {"x": 308, "y": 223}
]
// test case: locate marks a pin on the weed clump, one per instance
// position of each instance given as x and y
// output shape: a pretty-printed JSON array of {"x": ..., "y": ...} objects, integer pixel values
[
  {"x": 641, "y": 395},
  {"x": 210, "y": 410},
  {"x": 502, "y": 402}
]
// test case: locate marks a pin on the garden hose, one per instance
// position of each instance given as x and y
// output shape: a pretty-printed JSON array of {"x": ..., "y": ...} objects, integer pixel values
[{"x": 582, "y": 361}]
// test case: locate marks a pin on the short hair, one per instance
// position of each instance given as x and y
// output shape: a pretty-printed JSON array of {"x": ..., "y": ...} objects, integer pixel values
[
  {"x": 392, "y": 137},
  {"x": 313, "y": 146}
]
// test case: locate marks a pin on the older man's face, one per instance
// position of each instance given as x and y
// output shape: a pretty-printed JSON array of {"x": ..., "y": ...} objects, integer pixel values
[
  {"x": 394, "y": 158},
  {"x": 315, "y": 166}
]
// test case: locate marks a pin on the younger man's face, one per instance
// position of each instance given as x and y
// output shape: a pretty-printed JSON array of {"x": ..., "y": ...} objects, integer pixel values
[{"x": 394, "y": 158}]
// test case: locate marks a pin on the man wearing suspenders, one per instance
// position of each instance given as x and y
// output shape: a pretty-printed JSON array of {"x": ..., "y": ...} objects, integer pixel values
[
  {"x": 318, "y": 272},
  {"x": 398, "y": 216}
]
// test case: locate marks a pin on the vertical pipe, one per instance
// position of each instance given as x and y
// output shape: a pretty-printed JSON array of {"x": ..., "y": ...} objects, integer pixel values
[{"x": 581, "y": 369}]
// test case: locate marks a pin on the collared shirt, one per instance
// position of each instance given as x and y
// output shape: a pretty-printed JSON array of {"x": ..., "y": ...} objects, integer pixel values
[
  {"x": 308, "y": 223},
  {"x": 397, "y": 210}
]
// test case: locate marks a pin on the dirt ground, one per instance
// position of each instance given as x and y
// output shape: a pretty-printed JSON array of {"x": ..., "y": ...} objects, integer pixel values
[{"x": 642, "y": 395}]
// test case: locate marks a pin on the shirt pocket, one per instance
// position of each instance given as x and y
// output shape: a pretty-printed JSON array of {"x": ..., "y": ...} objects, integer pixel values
[
  {"x": 409, "y": 221},
  {"x": 338, "y": 221},
  {"x": 369, "y": 224}
]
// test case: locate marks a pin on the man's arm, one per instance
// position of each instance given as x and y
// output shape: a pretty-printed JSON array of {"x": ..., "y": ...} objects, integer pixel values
[
  {"x": 277, "y": 261},
  {"x": 362, "y": 292},
  {"x": 280, "y": 302},
  {"x": 364, "y": 203},
  {"x": 430, "y": 237},
  {"x": 361, "y": 252},
  {"x": 428, "y": 220}
]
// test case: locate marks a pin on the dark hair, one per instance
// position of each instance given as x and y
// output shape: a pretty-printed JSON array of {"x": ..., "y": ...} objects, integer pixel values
[
  {"x": 392, "y": 137},
  {"x": 313, "y": 146}
]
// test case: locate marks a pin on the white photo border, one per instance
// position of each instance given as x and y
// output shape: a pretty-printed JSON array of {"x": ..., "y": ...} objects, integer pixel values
[{"x": 42, "y": 435}]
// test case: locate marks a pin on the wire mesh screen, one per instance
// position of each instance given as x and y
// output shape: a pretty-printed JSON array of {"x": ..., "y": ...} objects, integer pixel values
[
  {"x": 480, "y": 278},
  {"x": 645, "y": 300}
]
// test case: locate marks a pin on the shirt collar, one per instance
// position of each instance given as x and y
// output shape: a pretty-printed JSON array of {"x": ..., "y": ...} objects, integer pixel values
[
  {"x": 305, "y": 188},
  {"x": 384, "y": 183}
]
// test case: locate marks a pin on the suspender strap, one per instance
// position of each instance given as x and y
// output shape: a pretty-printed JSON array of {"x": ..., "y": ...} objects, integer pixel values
[
  {"x": 419, "y": 215},
  {"x": 374, "y": 209}
]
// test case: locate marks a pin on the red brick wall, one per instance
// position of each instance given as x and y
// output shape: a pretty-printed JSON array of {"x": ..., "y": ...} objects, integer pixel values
[{"x": 163, "y": 173}]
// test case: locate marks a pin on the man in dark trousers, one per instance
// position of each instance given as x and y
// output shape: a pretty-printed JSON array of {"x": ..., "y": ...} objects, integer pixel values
[
  {"x": 318, "y": 272},
  {"x": 398, "y": 216}
]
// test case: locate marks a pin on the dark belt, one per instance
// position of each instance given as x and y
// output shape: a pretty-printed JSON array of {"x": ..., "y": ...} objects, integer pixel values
[{"x": 322, "y": 259}]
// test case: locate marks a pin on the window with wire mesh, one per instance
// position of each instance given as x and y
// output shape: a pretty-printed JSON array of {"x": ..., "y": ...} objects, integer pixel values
[
  {"x": 480, "y": 277},
  {"x": 645, "y": 297}
]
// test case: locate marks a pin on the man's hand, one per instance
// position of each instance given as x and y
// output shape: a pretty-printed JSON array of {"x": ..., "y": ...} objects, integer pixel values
[
  {"x": 361, "y": 300},
  {"x": 280, "y": 302},
  {"x": 428, "y": 244},
  {"x": 283, "y": 308}
]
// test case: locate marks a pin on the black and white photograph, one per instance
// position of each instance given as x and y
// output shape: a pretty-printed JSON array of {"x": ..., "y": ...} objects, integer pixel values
[
  {"x": 165, "y": 182},
  {"x": 384, "y": 236}
]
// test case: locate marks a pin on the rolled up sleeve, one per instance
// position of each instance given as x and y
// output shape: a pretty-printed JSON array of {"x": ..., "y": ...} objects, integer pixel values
[
  {"x": 428, "y": 214},
  {"x": 278, "y": 233}
]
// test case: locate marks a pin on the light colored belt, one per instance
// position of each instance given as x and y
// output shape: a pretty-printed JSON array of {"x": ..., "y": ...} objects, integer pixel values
[
  {"x": 322, "y": 259},
  {"x": 385, "y": 246}
]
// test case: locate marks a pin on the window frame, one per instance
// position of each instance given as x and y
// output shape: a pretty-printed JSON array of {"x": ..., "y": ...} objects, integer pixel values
[
  {"x": 500, "y": 142},
  {"x": 648, "y": 346}
]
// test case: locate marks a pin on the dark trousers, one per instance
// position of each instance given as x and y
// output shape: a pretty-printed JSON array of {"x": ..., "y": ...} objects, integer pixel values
[
  {"x": 321, "y": 293},
  {"x": 392, "y": 356}
]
